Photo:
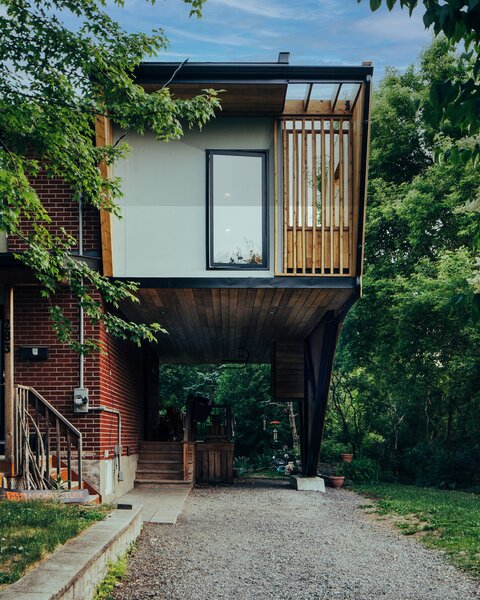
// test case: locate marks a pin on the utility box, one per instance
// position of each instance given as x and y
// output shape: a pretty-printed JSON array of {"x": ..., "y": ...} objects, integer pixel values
[
  {"x": 33, "y": 352},
  {"x": 80, "y": 400}
]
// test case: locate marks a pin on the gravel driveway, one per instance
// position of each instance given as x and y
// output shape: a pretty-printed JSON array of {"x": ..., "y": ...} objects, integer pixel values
[{"x": 266, "y": 540}]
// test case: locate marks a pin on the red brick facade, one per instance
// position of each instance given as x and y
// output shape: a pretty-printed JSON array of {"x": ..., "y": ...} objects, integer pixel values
[
  {"x": 56, "y": 197},
  {"x": 115, "y": 378}
]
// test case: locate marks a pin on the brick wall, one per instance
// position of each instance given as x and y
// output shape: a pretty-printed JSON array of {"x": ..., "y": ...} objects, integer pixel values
[
  {"x": 114, "y": 378},
  {"x": 56, "y": 197}
]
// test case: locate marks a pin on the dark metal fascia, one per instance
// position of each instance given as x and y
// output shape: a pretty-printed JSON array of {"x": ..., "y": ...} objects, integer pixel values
[
  {"x": 274, "y": 73},
  {"x": 363, "y": 181},
  {"x": 303, "y": 282}
]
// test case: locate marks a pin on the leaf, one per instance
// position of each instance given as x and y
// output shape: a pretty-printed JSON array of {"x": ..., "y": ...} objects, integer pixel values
[{"x": 375, "y": 4}]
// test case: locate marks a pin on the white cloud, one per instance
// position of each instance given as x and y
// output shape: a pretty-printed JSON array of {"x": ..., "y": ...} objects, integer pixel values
[
  {"x": 224, "y": 40},
  {"x": 395, "y": 26},
  {"x": 263, "y": 8}
]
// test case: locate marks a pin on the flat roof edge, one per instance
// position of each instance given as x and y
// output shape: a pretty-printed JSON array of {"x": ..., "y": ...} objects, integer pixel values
[{"x": 159, "y": 72}]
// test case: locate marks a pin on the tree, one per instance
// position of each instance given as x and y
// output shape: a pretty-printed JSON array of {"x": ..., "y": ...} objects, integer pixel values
[
  {"x": 54, "y": 80},
  {"x": 408, "y": 365}
]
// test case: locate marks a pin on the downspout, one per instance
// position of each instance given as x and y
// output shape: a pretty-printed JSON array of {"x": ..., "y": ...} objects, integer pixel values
[{"x": 81, "y": 324}]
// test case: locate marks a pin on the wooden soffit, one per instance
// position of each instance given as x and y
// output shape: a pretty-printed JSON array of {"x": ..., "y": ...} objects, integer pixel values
[{"x": 236, "y": 98}]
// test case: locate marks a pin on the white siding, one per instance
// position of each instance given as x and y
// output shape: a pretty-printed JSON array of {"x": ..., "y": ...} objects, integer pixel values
[{"x": 163, "y": 229}]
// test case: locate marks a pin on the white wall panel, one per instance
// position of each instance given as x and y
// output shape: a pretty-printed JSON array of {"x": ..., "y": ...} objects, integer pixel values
[{"x": 163, "y": 229}]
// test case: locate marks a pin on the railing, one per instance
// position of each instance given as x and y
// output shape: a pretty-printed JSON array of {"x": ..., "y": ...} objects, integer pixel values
[
  {"x": 42, "y": 439},
  {"x": 315, "y": 221},
  {"x": 219, "y": 425}
]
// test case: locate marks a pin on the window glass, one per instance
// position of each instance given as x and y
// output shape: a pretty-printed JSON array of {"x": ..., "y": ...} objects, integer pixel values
[{"x": 237, "y": 205}]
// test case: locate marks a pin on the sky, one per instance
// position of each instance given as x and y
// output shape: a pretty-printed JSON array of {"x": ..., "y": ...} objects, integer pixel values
[{"x": 333, "y": 32}]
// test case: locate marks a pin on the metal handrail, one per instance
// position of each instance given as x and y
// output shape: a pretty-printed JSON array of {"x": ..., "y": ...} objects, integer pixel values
[{"x": 32, "y": 464}]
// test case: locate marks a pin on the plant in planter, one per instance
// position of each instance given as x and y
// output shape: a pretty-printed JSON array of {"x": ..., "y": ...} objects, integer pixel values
[
  {"x": 336, "y": 479},
  {"x": 240, "y": 466},
  {"x": 346, "y": 455}
]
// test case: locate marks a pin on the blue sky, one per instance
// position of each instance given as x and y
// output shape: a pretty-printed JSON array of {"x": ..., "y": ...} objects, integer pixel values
[{"x": 314, "y": 31}]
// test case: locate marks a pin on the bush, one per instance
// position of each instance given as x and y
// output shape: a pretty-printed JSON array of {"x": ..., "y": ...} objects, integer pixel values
[
  {"x": 331, "y": 450},
  {"x": 362, "y": 470}
]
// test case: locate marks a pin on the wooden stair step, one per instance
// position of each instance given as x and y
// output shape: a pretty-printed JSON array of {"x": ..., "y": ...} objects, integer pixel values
[
  {"x": 154, "y": 482},
  {"x": 160, "y": 468},
  {"x": 159, "y": 475}
]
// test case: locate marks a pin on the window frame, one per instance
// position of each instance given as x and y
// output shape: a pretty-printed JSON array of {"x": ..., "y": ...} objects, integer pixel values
[{"x": 211, "y": 264}]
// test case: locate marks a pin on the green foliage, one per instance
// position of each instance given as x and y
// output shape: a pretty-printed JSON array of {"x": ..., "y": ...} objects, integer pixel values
[
  {"x": 454, "y": 98},
  {"x": 406, "y": 386},
  {"x": 448, "y": 521},
  {"x": 54, "y": 82},
  {"x": 116, "y": 572},
  {"x": 30, "y": 530},
  {"x": 362, "y": 470},
  {"x": 247, "y": 389}
]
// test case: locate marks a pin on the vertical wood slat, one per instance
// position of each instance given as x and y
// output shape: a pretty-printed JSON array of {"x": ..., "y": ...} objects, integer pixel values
[
  {"x": 350, "y": 197},
  {"x": 332, "y": 193},
  {"x": 311, "y": 247},
  {"x": 275, "y": 195},
  {"x": 295, "y": 194},
  {"x": 286, "y": 194},
  {"x": 304, "y": 186},
  {"x": 324, "y": 191},
  {"x": 314, "y": 198},
  {"x": 340, "y": 193}
]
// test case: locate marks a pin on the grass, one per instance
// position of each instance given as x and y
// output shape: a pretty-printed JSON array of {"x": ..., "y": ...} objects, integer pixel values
[
  {"x": 31, "y": 530},
  {"x": 116, "y": 572},
  {"x": 441, "y": 519},
  {"x": 266, "y": 473}
]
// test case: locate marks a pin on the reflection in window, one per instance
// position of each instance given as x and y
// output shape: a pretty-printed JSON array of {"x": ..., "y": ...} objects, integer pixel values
[{"x": 237, "y": 207}]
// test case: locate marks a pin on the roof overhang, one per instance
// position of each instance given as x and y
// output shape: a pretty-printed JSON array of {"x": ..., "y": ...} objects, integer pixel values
[{"x": 260, "y": 88}]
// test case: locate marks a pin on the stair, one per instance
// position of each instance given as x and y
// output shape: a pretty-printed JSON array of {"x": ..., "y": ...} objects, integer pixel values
[{"x": 160, "y": 463}]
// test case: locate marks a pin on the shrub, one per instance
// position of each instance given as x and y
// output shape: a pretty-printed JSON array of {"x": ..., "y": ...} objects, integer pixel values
[
  {"x": 331, "y": 450},
  {"x": 362, "y": 470}
]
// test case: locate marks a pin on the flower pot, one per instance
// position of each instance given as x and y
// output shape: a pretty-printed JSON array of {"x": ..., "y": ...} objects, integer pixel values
[
  {"x": 346, "y": 457},
  {"x": 336, "y": 481},
  {"x": 238, "y": 472}
]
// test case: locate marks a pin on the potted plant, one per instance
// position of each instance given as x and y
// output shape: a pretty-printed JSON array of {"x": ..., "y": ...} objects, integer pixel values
[
  {"x": 346, "y": 455},
  {"x": 337, "y": 477},
  {"x": 240, "y": 465}
]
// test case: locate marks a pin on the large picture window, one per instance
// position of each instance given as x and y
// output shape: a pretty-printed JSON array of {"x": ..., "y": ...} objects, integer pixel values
[{"x": 237, "y": 210}]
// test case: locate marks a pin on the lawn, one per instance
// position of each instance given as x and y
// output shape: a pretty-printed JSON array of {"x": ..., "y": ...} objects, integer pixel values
[
  {"x": 441, "y": 519},
  {"x": 30, "y": 530}
]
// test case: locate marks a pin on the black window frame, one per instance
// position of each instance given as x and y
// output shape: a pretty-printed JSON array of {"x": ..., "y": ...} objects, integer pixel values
[{"x": 211, "y": 264}]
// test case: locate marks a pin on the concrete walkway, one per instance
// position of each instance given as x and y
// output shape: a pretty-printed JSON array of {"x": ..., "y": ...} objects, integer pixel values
[{"x": 161, "y": 504}]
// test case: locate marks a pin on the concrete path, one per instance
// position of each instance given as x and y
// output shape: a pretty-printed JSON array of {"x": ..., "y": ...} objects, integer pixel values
[
  {"x": 161, "y": 503},
  {"x": 267, "y": 541}
]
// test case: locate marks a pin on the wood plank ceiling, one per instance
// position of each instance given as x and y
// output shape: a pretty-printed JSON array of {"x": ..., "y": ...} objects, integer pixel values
[
  {"x": 237, "y": 99},
  {"x": 226, "y": 324}
]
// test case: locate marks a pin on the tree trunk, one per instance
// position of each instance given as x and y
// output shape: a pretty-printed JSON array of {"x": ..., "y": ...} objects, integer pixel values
[{"x": 293, "y": 426}]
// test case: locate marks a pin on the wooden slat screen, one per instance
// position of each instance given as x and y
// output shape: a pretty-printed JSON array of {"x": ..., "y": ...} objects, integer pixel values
[{"x": 315, "y": 237}]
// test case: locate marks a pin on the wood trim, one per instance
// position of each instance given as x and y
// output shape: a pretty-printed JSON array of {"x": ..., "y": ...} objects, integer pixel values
[
  {"x": 104, "y": 137},
  {"x": 9, "y": 379}
]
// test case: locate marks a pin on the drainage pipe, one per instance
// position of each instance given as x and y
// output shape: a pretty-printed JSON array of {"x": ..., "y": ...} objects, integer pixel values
[{"x": 81, "y": 319}]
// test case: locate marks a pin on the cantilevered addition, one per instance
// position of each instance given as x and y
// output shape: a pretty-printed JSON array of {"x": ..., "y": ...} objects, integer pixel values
[
  {"x": 247, "y": 237},
  {"x": 247, "y": 240}
]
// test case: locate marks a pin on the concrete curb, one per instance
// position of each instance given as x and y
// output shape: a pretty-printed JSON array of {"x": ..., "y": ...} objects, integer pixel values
[{"x": 74, "y": 570}]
